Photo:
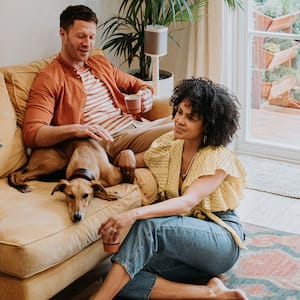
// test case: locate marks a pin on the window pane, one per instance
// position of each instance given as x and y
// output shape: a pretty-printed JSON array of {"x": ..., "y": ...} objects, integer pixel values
[{"x": 275, "y": 72}]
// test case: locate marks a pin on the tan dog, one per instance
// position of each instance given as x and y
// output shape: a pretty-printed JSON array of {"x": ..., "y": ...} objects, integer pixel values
[{"x": 88, "y": 172}]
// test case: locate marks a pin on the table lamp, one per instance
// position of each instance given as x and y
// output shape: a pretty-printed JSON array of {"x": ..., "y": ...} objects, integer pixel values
[{"x": 156, "y": 45}]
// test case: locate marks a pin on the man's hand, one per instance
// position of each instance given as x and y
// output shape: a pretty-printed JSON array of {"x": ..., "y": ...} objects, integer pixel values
[
  {"x": 146, "y": 99},
  {"x": 95, "y": 132}
]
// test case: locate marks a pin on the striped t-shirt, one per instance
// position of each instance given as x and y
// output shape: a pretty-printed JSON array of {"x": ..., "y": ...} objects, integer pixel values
[{"x": 100, "y": 108}]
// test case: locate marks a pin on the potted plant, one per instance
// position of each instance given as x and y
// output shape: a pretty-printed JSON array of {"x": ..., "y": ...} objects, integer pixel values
[
  {"x": 277, "y": 51},
  {"x": 278, "y": 82},
  {"x": 124, "y": 33},
  {"x": 274, "y": 15}
]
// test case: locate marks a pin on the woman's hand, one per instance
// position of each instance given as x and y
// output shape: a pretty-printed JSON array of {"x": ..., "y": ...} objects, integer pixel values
[
  {"x": 146, "y": 99},
  {"x": 117, "y": 222}
]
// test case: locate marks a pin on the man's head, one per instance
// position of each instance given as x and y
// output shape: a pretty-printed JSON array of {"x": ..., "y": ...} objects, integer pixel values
[
  {"x": 78, "y": 26},
  {"x": 76, "y": 12}
]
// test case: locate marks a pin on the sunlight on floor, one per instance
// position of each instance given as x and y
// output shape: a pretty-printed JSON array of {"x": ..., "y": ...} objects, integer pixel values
[{"x": 270, "y": 210}]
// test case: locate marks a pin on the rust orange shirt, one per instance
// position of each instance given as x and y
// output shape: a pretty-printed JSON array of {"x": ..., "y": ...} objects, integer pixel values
[{"x": 57, "y": 94}]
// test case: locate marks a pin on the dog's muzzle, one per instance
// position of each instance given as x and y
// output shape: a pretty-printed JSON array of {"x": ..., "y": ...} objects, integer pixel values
[{"x": 77, "y": 217}]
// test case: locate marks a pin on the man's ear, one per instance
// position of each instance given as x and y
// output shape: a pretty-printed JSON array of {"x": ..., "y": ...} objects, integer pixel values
[{"x": 62, "y": 33}]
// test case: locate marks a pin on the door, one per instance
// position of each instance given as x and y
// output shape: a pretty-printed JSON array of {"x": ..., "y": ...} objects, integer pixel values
[{"x": 268, "y": 78}]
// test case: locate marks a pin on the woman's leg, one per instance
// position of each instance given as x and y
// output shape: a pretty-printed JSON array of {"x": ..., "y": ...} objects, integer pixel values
[
  {"x": 215, "y": 289},
  {"x": 165, "y": 289},
  {"x": 185, "y": 240},
  {"x": 177, "y": 249},
  {"x": 116, "y": 278}
]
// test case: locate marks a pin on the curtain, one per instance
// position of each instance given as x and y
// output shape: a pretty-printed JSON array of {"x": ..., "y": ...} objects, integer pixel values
[{"x": 211, "y": 44}]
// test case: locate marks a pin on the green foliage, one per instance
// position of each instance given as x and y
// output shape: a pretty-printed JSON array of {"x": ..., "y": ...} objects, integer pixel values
[
  {"x": 124, "y": 34},
  {"x": 278, "y": 73},
  {"x": 296, "y": 26},
  {"x": 277, "y": 8},
  {"x": 275, "y": 45}
]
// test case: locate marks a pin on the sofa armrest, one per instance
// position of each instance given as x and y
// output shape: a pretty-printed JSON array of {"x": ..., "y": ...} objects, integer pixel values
[{"x": 161, "y": 108}]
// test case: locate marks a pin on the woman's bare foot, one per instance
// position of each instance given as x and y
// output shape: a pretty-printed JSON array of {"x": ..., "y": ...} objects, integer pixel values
[{"x": 222, "y": 292}]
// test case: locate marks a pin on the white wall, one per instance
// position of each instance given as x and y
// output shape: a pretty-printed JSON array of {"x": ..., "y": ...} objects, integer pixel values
[{"x": 29, "y": 29}]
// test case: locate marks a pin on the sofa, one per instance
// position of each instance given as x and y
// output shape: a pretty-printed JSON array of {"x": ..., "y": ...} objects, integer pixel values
[{"x": 41, "y": 250}]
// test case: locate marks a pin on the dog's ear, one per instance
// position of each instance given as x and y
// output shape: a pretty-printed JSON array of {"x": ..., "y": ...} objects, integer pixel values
[
  {"x": 97, "y": 186},
  {"x": 60, "y": 187}
]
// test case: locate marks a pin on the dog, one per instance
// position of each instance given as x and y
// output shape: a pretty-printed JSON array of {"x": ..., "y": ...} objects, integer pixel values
[{"x": 87, "y": 172}]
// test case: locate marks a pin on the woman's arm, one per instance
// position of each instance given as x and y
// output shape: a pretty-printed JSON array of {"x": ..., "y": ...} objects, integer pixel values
[{"x": 198, "y": 190}]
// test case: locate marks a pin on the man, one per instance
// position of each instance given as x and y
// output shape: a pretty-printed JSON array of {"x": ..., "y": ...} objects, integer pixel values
[{"x": 82, "y": 96}]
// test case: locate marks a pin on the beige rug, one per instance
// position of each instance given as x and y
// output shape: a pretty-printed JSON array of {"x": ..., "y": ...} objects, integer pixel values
[{"x": 272, "y": 176}]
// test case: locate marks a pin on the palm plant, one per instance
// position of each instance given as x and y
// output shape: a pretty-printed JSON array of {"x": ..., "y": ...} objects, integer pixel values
[{"x": 124, "y": 33}]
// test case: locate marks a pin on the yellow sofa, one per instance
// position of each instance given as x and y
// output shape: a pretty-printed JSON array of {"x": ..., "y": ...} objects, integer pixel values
[{"x": 41, "y": 250}]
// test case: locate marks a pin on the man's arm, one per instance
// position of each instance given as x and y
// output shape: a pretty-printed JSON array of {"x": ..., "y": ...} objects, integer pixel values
[{"x": 48, "y": 135}]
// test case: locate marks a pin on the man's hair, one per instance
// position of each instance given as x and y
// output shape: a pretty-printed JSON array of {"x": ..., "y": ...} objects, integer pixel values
[{"x": 76, "y": 12}]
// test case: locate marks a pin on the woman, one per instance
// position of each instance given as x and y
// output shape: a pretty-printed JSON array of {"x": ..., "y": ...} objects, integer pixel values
[{"x": 193, "y": 233}]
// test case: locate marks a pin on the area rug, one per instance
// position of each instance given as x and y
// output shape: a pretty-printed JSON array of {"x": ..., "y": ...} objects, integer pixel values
[
  {"x": 272, "y": 176},
  {"x": 270, "y": 268}
]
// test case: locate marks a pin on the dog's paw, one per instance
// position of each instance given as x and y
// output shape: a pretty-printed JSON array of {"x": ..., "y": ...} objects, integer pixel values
[{"x": 23, "y": 188}]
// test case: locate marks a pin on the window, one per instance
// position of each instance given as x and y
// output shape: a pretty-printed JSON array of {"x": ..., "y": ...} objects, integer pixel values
[{"x": 268, "y": 74}]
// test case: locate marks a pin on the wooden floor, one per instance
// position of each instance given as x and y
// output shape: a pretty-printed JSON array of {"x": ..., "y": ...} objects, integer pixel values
[{"x": 276, "y": 124}]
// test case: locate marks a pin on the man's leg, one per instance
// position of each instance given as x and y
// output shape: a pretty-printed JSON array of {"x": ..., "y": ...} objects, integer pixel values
[{"x": 140, "y": 138}]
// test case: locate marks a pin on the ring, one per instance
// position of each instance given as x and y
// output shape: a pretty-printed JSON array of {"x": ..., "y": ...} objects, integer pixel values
[{"x": 114, "y": 229}]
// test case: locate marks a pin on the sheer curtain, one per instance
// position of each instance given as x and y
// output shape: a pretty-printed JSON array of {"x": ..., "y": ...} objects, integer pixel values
[{"x": 212, "y": 45}]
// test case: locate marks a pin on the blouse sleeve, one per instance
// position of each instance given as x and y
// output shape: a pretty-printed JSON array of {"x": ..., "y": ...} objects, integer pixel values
[
  {"x": 229, "y": 193},
  {"x": 157, "y": 159}
]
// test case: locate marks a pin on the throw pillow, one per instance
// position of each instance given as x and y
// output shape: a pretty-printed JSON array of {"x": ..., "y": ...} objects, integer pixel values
[{"x": 12, "y": 150}]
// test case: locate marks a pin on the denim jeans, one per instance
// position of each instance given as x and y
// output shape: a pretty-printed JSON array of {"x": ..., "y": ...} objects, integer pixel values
[{"x": 177, "y": 248}]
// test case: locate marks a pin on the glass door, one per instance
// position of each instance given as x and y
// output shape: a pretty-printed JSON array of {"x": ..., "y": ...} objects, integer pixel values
[{"x": 269, "y": 78}]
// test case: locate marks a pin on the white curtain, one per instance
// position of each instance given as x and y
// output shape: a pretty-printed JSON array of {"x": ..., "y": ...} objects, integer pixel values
[{"x": 211, "y": 46}]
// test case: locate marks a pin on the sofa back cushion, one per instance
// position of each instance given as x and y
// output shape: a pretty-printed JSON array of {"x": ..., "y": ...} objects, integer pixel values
[
  {"x": 18, "y": 80},
  {"x": 12, "y": 150}
]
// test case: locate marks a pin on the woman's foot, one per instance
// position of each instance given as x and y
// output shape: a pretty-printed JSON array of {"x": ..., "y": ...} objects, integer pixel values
[{"x": 222, "y": 292}]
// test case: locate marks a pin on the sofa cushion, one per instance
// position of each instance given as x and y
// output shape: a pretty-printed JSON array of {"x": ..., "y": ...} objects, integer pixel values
[
  {"x": 36, "y": 232},
  {"x": 147, "y": 184},
  {"x": 12, "y": 151},
  {"x": 18, "y": 80}
]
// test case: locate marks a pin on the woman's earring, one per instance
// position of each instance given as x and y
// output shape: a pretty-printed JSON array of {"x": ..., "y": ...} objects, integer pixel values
[{"x": 204, "y": 139}]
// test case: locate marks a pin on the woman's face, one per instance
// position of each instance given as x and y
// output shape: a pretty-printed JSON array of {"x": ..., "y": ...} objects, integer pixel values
[{"x": 188, "y": 126}]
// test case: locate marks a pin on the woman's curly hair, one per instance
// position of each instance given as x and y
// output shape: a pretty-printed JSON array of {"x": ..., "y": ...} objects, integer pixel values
[{"x": 214, "y": 104}]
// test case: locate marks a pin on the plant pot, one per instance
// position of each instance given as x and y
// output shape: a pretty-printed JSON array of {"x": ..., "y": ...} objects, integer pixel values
[
  {"x": 266, "y": 23},
  {"x": 166, "y": 83},
  {"x": 274, "y": 89}
]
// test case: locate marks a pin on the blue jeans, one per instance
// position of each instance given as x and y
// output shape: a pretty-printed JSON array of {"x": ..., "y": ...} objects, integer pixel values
[{"x": 177, "y": 248}]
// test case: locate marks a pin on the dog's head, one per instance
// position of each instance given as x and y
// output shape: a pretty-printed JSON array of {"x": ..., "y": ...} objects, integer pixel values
[{"x": 79, "y": 193}]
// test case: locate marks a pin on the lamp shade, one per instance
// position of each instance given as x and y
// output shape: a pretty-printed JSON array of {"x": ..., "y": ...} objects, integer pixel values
[{"x": 156, "y": 40}]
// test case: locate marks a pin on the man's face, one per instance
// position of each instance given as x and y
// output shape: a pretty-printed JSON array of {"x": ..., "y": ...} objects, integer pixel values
[{"x": 78, "y": 40}]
